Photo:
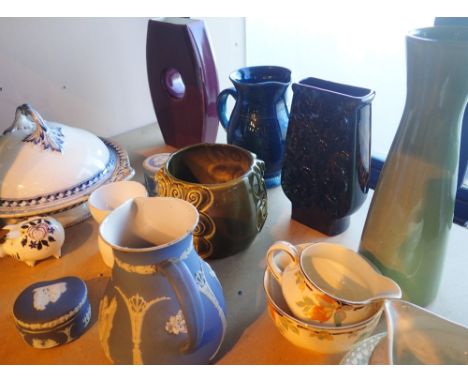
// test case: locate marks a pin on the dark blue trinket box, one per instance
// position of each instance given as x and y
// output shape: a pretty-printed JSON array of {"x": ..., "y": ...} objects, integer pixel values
[{"x": 52, "y": 313}]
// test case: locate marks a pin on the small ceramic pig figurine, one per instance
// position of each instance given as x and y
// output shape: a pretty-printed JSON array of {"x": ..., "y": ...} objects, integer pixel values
[{"x": 33, "y": 239}]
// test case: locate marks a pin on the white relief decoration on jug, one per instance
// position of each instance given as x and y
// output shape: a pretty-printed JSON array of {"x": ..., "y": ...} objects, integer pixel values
[
  {"x": 140, "y": 269},
  {"x": 176, "y": 324},
  {"x": 106, "y": 318},
  {"x": 206, "y": 290},
  {"x": 87, "y": 317},
  {"x": 152, "y": 268},
  {"x": 211, "y": 271},
  {"x": 137, "y": 307},
  {"x": 43, "y": 344},
  {"x": 43, "y": 296},
  {"x": 184, "y": 255}
]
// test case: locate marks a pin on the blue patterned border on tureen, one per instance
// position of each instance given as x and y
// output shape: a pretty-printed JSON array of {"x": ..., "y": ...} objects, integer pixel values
[{"x": 117, "y": 168}]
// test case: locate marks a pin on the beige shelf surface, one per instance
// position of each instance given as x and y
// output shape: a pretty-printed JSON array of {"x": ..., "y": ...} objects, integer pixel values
[{"x": 251, "y": 337}]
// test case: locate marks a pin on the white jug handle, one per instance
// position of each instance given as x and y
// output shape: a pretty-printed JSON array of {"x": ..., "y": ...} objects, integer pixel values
[{"x": 291, "y": 250}]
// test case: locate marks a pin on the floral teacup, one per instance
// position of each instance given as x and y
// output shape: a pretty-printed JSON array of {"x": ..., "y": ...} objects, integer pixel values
[
  {"x": 313, "y": 336},
  {"x": 298, "y": 280}
]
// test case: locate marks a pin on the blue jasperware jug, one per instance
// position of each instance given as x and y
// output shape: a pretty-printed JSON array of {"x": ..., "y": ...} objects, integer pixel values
[
  {"x": 163, "y": 303},
  {"x": 259, "y": 119}
]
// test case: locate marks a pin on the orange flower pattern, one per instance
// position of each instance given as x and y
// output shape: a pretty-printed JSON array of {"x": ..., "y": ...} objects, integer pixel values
[
  {"x": 320, "y": 307},
  {"x": 285, "y": 324}
]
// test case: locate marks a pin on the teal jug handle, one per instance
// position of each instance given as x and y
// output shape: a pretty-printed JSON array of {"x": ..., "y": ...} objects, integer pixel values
[
  {"x": 190, "y": 301},
  {"x": 259, "y": 192},
  {"x": 221, "y": 105},
  {"x": 286, "y": 106}
]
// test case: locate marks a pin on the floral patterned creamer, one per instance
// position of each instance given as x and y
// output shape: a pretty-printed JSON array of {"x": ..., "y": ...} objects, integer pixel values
[{"x": 305, "y": 299}]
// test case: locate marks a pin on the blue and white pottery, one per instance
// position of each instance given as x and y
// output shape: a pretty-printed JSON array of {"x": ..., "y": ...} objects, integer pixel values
[
  {"x": 53, "y": 313},
  {"x": 151, "y": 166},
  {"x": 259, "y": 120},
  {"x": 47, "y": 168},
  {"x": 33, "y": 239},
  {"x": 163, "y": 303}
]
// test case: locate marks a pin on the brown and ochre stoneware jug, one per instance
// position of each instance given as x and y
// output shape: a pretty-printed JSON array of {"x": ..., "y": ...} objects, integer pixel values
[{"x": 225, "y": 183}]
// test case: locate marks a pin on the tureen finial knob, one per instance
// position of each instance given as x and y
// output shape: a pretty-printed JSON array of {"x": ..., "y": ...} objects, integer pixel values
[{"x": 44, "y": 135}]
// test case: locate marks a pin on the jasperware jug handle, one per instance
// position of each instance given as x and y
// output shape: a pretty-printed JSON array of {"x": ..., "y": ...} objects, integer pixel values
[
  {"x": 291, "y": 250},
  {"x": 221, "y": 105},
  {"x": 189, "y": 298}
]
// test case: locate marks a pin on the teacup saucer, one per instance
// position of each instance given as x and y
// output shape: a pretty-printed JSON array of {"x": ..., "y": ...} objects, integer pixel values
[{"x": 365, "y": 352}]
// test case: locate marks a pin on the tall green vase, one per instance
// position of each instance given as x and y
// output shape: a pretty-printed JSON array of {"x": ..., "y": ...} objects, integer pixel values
[{"x": 411, "y": 213}]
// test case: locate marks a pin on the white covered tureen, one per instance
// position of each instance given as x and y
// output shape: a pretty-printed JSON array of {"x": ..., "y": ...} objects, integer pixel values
[{"x": 49, "y": 168}]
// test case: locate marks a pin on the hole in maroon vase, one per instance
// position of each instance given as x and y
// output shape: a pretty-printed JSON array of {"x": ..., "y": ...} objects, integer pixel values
[{"x": 174, "y": 83}]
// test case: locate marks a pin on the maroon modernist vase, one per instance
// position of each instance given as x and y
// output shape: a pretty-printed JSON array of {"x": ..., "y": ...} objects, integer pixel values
[{"x": 183, "y": 81}]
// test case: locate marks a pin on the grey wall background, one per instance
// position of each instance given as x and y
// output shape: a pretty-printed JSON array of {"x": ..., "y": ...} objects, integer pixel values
[{"x": 91, "y": 72}]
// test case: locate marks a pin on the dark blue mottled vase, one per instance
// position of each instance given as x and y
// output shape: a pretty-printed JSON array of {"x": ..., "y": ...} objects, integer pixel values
[
  {"x": 327, "y": 160},
  {"x": 163, "y": 303},
  {"x": 259, "y": 119}
]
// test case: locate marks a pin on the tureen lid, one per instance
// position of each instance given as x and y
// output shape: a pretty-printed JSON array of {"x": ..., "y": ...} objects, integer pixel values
[
  {"x": 47, "y": 168},
  {"x": 39, "y": 158}
]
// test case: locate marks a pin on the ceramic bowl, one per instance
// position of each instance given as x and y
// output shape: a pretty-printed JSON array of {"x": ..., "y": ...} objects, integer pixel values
[
  {"x": 225, "y": 183},
  {"x": 417, "y": 336},
  {"x": 315, "y": 337},
  {"x": 47, "y": 168},
  {"x": 108, "y": 197}
]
